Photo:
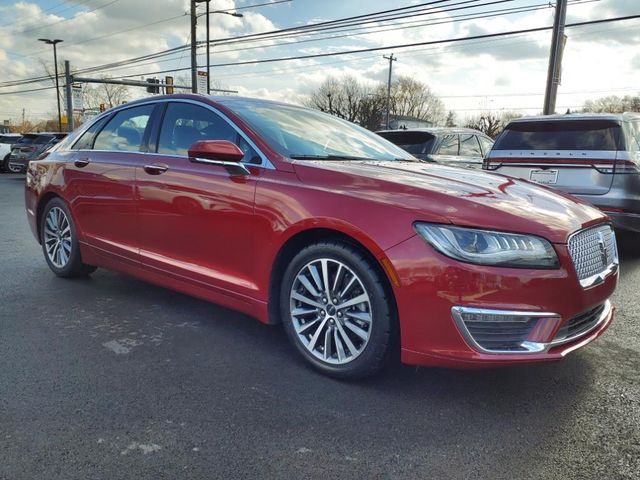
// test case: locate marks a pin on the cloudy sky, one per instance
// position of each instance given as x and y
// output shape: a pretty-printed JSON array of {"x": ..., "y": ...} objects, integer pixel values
[{"x": 506, "y": 73}]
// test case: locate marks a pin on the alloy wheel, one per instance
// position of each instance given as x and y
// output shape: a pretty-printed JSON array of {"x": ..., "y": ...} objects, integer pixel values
[
  {"x": 331, "y": 311},
  {"x": 57, "y": 237}
]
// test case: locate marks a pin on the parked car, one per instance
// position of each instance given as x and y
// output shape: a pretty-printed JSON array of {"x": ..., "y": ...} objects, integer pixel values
[
  {"x": 595, "y": 157},
  {"x": 297, "y": 217},
  {"x": 6, "y": 142},
  {"x": 460, "y": 147},
  {"x": 29, "y": 148}
]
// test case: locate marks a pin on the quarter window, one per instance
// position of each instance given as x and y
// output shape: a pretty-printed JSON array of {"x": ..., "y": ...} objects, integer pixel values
[
  {"x": 125, "y": 131},
  {"x": 185, "y": 123},
  {"x": 486, "y": 145},
  {"x": 469, "y": 146},
  {"x": 85, "y": 142},
  {"x": 449, "y": 145}
]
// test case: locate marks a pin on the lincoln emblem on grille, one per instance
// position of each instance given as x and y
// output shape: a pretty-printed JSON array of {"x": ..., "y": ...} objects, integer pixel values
[{"x": 603, "y": 249}]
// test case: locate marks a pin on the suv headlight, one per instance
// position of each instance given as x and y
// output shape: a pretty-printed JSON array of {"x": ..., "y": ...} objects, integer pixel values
[{"x": 484, "y": 247}]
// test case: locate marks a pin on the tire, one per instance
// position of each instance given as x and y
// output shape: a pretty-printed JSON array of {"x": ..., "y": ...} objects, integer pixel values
[
  {"x": 60, "y": 242},
  {"x": 336, "y": 336},
  {"x": 4, "y": 164}
]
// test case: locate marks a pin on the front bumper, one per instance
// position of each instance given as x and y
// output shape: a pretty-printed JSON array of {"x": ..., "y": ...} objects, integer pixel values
[{"x": 431, "y": 285}]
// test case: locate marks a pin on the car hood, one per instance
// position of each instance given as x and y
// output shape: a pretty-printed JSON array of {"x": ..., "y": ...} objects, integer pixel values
[{"x": 473, "y": 198}]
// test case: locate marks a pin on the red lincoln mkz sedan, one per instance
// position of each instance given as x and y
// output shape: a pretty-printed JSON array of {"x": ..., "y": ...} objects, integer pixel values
[{"x": 297, "y": 217}]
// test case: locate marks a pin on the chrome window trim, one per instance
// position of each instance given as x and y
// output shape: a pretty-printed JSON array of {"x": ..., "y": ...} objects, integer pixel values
[
  {"x": 530, "y": 347},
  {"x": 266, "y": 163},
  {"x": 599, "y": 277}
]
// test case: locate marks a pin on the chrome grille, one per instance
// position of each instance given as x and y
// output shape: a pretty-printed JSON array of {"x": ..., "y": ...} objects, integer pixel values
[{"x": 594, "y": 253}]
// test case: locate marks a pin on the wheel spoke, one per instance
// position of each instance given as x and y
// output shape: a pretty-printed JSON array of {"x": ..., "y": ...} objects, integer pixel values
[
  {"x": 316, "y": 276},
  {"x": 346, "y": 289},
  {"x": 308, "y": 301},
  {"x": 298, "y": 312},
  {"x": 50, "y": 222},
  {"x": 316, "y": 335},
  {"x": 336, "y": 281},
  {"x": 306, "y": 326},
  {"x": 307, "y": 284},
  {"x": 363, "y": 297},
  {"x": 327, "y": 344},
  {"x": 362, "y": 316},
  {"x": 339, "y": 347},
  {"x": 325, "y": 276},
  {"x": 363, "y": 334},
  {"x": 343, "y": 335}
]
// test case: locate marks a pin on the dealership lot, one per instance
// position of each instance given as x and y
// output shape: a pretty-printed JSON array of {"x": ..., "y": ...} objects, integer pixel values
[{"x": 110, "y": 375}]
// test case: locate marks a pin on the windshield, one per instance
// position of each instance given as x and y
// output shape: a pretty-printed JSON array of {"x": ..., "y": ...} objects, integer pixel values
[{"x": 298, "y": 132}]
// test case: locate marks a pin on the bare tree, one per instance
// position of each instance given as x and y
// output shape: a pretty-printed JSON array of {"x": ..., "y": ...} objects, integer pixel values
[
  {"x": 451, "y": 120},
  {"x": 412, "y": 98},
  {"x": 491, "y": 124},
  {"x": 104, "y": 93},
  {"x": 613, "y": 104}
]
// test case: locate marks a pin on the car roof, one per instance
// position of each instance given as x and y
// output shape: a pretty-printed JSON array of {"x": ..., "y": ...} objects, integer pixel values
[
  {"x": 437, "y": 130},
  {"x": 580, "y": 116}
]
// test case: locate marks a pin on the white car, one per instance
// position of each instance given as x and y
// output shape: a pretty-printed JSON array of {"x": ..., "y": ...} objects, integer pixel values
[{"x": 6, "y": 140}]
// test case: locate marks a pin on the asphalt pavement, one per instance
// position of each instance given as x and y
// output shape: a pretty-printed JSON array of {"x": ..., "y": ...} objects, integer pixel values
[{"x": 113, "y": 378}]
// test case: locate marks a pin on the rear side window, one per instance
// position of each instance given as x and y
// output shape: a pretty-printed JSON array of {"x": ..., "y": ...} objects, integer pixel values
[
  {"x": 449, "y": 145},
  {"x": 417, "y": 143},
  {"x": 469, "y": 146},
  {"x": 85, "y": 142},
  {"x": 560, "y": 135},
  {"x": 633, "y": 143},
  {"x": 125, "y": 130}
]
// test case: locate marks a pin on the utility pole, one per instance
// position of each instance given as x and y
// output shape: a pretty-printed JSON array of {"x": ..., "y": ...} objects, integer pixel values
[
  {"x": 194, "y": 56},
  {"x": 55, "y": 63},
  {"x": 555, "y": 58},
  {"x": 391, "y": 59},
  {"x": 68, "y": 80}
]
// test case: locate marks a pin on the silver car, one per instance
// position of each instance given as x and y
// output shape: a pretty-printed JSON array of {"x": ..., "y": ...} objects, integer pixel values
[
  {"x": 461, "y": 147},
  {"x": 595, "y": 157}
]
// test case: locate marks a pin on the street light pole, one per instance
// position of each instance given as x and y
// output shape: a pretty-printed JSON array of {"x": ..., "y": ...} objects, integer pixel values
[
  {"x": 55, "y": 63},
  {"x": 233, "y": 14},
  {"x": 391, "y": 59}
]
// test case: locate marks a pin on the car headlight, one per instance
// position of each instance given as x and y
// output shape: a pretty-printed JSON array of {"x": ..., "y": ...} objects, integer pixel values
[{"x": 485, "y": 247}]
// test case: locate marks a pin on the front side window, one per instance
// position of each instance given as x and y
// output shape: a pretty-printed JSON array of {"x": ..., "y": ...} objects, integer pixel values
[
  {"x": 469, "y": 146},
  {"x": 125, "y": 130},
  {"x": 449, "y": 145},
  {"x": 185, "y": 123}
]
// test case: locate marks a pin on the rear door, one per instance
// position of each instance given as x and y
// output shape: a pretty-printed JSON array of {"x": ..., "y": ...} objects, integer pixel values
[
  {"x": 576, "y": 156},
  {"x": 101, "y": 182}
]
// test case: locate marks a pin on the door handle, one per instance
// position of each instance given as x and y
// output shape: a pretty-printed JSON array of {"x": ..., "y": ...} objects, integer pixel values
[
  {"x": 156, "y": 168},
  {"x": 82, "y": 162}
]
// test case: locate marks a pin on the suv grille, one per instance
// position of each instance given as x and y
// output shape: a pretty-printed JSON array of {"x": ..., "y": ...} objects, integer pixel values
[
  {"x": 580, "y": 324},
  {"x": 594, "y": 253}
]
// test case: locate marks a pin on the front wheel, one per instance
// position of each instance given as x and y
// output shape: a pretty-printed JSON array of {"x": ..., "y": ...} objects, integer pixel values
[
  {"x": 60, "y": 243},
  {"x": 336, "y": 310}
]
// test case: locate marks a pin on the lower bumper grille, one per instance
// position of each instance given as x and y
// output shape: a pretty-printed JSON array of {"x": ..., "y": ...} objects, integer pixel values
[{"x": 579, "y": 325}]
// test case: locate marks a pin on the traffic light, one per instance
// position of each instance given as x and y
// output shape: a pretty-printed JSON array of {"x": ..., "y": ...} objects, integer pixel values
[
  {"x": 169, "y": 82},
  {"x": 153, "y": 88},
  {"x": 103, "y": 107}
]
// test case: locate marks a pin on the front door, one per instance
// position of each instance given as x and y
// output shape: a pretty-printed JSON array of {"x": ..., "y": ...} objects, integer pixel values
[{"x": 196, "y": 220}]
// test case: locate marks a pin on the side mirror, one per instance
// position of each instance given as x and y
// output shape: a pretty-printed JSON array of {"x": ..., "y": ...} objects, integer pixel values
[
  {"x": 216, "y": 150},
  {"x": 219, "y": 152}
]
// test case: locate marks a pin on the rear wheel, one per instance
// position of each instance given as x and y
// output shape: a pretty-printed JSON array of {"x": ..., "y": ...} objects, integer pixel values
[
  {"x": 60, "y": 243},
  {"x": 4, "y": 164},
  {"x": 336, "y": 310}
]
